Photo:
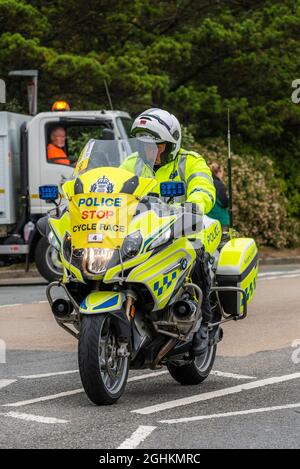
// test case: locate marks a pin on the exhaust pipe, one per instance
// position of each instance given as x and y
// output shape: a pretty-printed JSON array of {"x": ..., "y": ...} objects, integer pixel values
[
  {"x": 62, "y": 308},
  {"x": 163, "y": 351},
  {"x": 184, "y": 310}
]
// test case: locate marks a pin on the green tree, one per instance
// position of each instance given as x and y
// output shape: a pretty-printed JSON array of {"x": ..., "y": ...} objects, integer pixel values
[{"x": 193, "y": 57}]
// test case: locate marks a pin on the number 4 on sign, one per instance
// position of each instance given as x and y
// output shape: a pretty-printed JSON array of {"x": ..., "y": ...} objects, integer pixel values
[{"x": 95, "y": 238}]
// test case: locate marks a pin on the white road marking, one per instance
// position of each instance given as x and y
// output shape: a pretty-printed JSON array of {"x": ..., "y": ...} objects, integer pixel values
[
  {"x": 279, "y": 272},
  {"x": 75, "y": 391},
  {"x": 47, "y": 375},
  {"x": 138, "y": 377},
  {"x": 44, "y": 398},
  {"x": 11, "y": 305},
  {"x": 278, "y": 277},
  {"x": 148, "y": 375},
  {"x": 58, "y": 373},
  {"x": 231, "y": 375},
  {"x": 78, "y": 391},
  {"x": 230, "y": 414},
  {"x": 23, "y": 304},
  {"x": 6, "y": 382},
  {"x": 137, "y": 437},
  {"x": 214, "y": 394},
  {"x": 33, "y": 418}
]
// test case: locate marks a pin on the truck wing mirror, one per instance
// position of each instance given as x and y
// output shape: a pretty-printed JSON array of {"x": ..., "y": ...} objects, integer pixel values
[{"x": 108, "y": 134}]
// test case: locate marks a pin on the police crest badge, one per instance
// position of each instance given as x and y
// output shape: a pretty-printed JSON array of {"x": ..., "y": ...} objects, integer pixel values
[{"x": 102, "y": 185}]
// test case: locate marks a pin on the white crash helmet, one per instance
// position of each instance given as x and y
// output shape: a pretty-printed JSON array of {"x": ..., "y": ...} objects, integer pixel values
[{"x": 163, "y": 127}]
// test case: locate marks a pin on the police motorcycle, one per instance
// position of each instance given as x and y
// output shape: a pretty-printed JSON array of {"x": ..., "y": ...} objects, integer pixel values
[{"x": 128, "y": 255}]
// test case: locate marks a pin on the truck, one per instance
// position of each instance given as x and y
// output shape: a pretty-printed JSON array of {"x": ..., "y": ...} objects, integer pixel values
[{"x": 25, "y": 165}]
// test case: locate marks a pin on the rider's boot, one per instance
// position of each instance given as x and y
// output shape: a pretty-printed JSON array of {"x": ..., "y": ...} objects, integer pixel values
[
  {"x": 200, "y": 340},
  {"x": 201, "y": 337},
  {"x": 201, "y": 277}
]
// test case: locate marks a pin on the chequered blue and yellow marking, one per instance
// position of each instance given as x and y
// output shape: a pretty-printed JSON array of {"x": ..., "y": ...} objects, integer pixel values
[
  {"x": 167, "y": 281},
  {"x": 249, "y": 291}
]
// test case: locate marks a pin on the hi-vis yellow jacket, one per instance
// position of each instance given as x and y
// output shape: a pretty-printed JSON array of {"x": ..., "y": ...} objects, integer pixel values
[{"x": 189, "y": 167}]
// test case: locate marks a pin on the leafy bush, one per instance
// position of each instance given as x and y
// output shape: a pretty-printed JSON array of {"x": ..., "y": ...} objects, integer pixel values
[{"x": 259, "y": 207}]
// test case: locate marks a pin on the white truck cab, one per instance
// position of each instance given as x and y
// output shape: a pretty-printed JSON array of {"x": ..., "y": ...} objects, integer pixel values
[{"x": 25, "y": 165}]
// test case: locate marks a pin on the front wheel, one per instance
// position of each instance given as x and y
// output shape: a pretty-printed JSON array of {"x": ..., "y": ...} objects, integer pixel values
[
  {"x": 103, "y": 373},
  {"x": 47, "y": 261},
  {"x": 195, "y": 372}
]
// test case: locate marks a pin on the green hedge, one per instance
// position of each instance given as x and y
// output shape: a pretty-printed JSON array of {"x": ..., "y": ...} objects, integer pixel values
[{"x": 260, "y": 209}]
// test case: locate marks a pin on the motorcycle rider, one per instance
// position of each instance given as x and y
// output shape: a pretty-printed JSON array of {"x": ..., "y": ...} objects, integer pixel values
[{"x": 173, "y": 163}]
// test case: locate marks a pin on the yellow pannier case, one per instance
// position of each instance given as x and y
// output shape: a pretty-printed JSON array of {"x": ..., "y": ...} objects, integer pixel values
[{"x": 237, "y": 267}]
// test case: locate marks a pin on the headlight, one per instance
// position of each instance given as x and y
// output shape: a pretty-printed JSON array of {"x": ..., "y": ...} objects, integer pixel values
[
  {"x": 163, "y": 238},
  {"x": 131, "y": 245},
  {"x": 96, "y": 260}
]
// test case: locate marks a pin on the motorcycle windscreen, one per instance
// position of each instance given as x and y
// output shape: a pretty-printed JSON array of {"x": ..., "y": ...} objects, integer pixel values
[
  {"x": 101, "y": 220},
  {"x": 136, "y": 155},
  {"x": 115, "y": 166}
]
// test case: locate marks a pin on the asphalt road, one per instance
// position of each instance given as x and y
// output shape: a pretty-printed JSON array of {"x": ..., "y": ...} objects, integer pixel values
[{"x": 251, "y": 399}]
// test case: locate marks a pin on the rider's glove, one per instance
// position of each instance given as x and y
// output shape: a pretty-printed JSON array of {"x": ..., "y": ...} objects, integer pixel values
[
  {"x": 192, "y": 218},
  {"x": 190, "y": 207}
]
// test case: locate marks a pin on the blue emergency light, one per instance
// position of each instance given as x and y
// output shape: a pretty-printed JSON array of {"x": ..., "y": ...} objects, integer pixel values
[
  {"x": 172, "y": 189},
  {"x": 49, "y": 193}
]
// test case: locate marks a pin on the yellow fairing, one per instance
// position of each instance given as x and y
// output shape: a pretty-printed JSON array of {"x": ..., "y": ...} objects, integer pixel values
[
  {"x": 151, "y": 227},
  {"x": 102, "y": 302},
  {"x": 211, "y": 234},
  {"x": 114, "y": 273},
  {"x": 117, "y": 176},
  {"x": 162, "y": 272},
  {"x": 61, "y": 227}
]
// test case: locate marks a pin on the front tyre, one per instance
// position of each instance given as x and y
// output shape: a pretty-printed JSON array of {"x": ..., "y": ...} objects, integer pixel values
[
  {"x": 47, "y": 261},
  {"x": 195, "y": 372},
  {"x": 103, "y": 373}
]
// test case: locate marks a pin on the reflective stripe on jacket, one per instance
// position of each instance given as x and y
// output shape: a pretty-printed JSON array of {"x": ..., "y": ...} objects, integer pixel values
[{"x": 191, "y": 168}]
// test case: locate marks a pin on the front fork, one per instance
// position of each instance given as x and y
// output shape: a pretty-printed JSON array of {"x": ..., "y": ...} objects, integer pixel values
[
  {"x": 74, "y": 311},
  {"x": 129, "y": 306}
]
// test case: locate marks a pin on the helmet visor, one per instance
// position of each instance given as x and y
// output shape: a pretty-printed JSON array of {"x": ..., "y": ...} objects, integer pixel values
[
  {"x": 148, "y": 138},
  {"x": 149, "y": 148}
]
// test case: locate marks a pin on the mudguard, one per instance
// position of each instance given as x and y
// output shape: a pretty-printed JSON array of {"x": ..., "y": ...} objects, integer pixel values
[{"x": 102, "y": 302}]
